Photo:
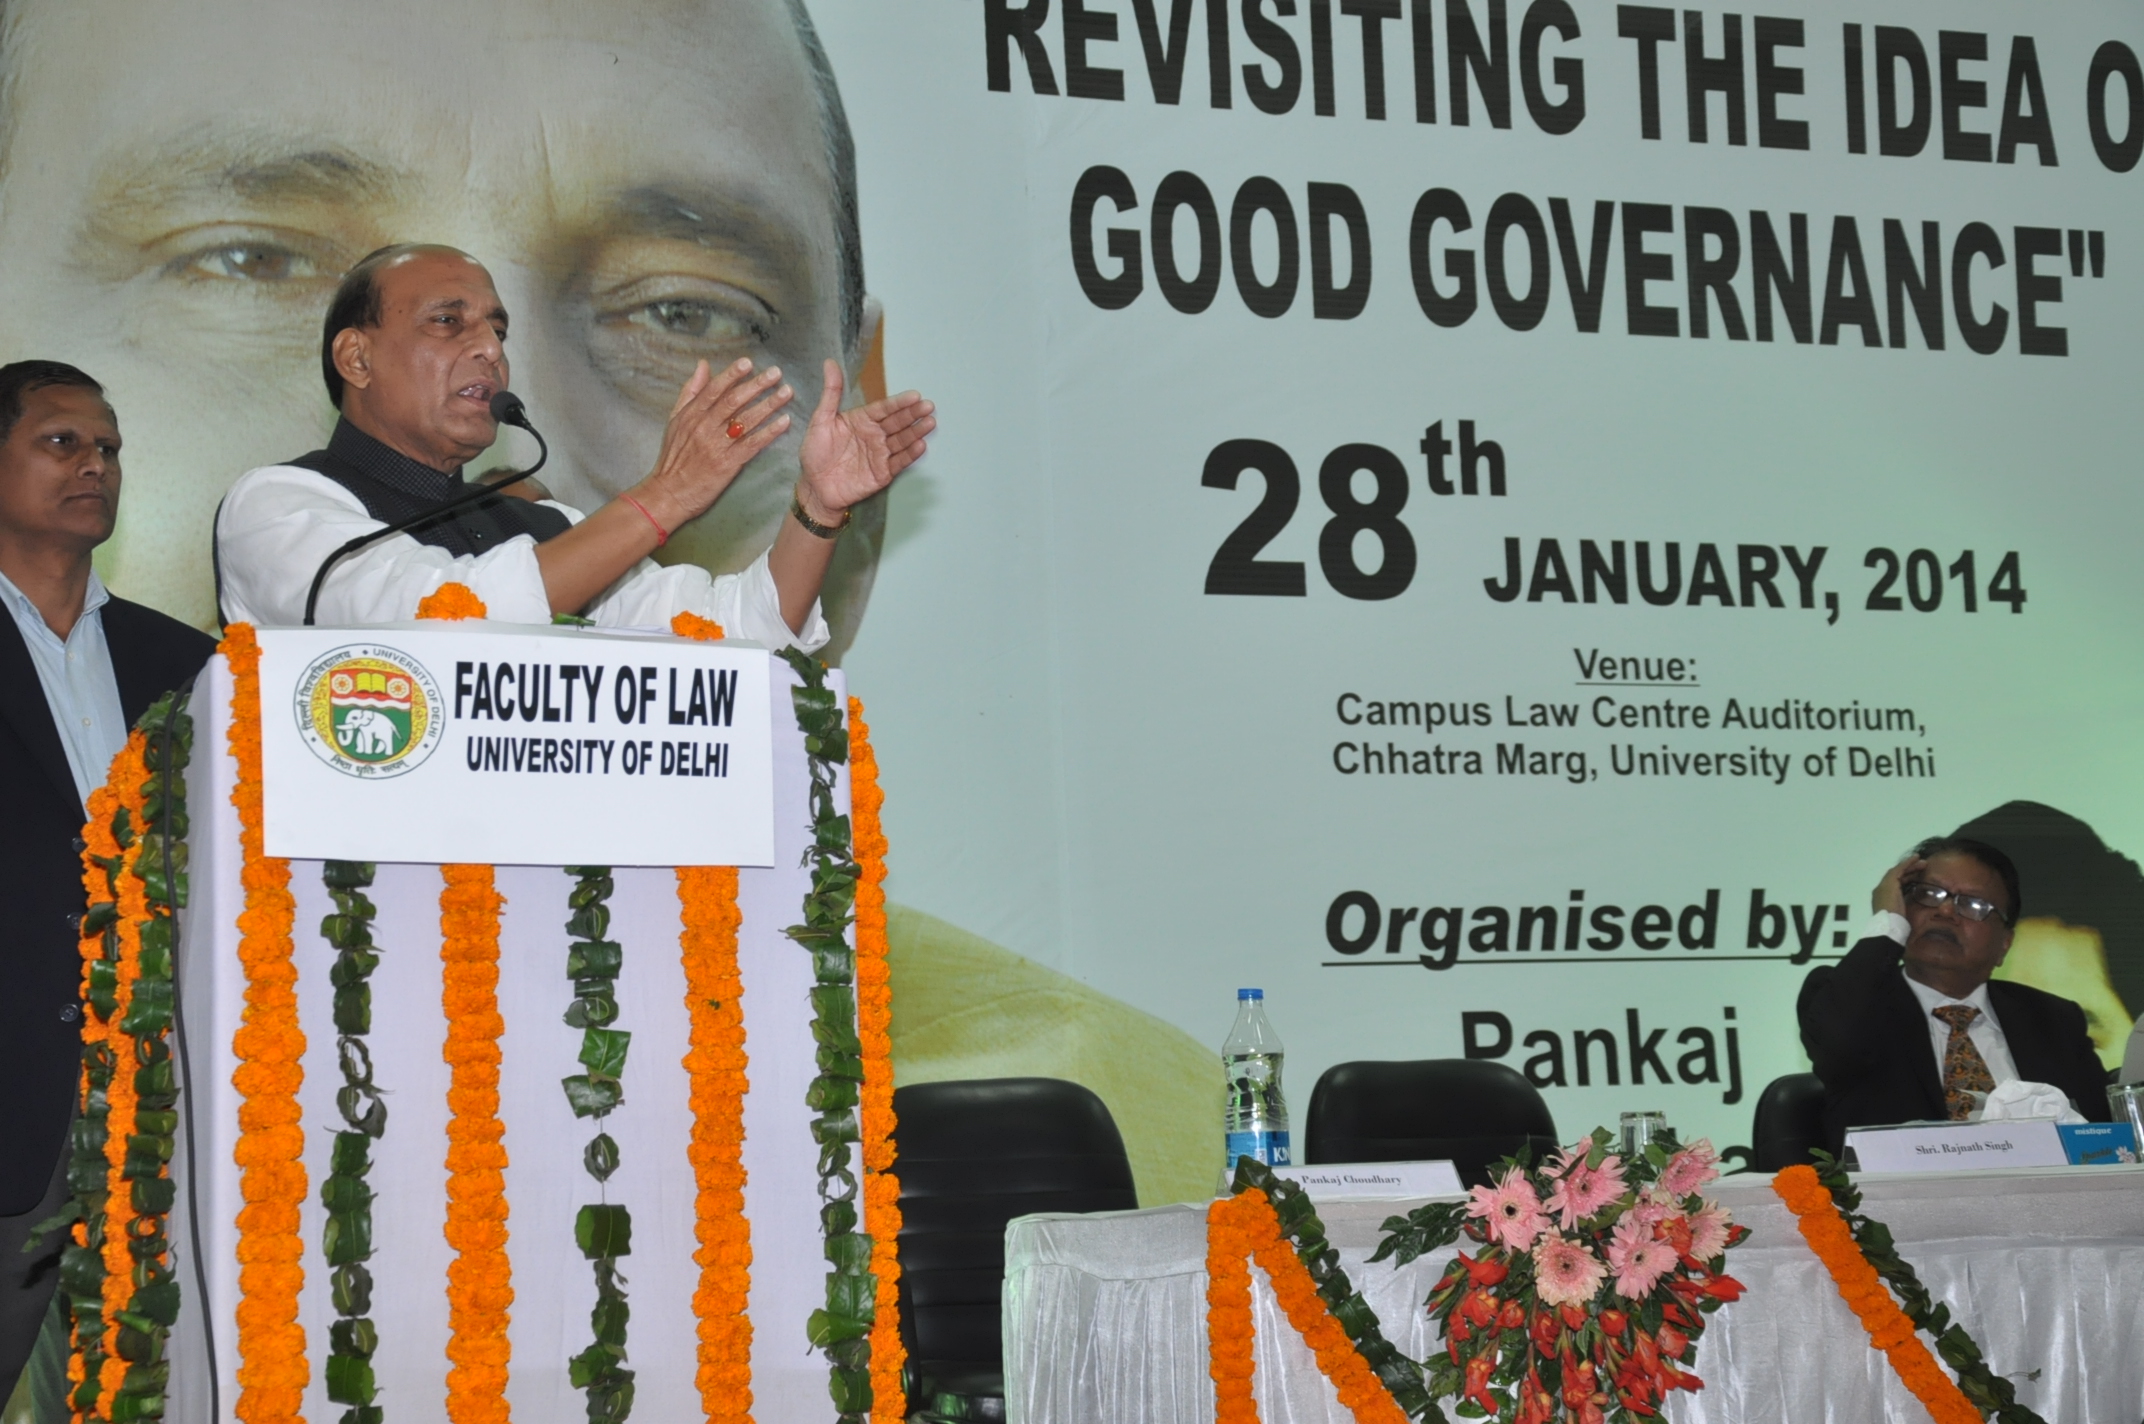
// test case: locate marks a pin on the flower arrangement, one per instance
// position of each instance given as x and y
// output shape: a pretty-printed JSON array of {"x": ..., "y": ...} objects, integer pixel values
[{"x": 1589, "y": 1288}]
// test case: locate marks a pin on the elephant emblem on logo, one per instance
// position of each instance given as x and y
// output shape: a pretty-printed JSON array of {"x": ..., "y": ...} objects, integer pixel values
[
  {"x": 369, "y": 711},
  {"x": 364, "y": 732}
]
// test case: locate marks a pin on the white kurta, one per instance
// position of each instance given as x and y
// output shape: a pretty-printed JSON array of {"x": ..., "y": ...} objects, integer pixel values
[{"x": 279, "y": 522}]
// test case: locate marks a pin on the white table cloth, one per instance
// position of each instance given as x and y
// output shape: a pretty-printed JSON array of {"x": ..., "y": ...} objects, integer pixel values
[{"x": 1105, "y": 1315}]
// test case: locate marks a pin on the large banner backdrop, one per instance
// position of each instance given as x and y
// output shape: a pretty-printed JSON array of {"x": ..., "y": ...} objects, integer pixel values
[
  {"x": 1539, "y": 499},
  {"x": 1499, "y": 522}
]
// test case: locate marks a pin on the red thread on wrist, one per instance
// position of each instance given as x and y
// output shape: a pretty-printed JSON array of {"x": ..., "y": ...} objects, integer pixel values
[{"x": 662, "y": 535}]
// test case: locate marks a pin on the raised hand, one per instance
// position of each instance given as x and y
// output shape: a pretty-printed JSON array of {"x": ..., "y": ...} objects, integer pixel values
[
  {"x": 720, "y": 422},
  {"x": 848, "y": 456}
]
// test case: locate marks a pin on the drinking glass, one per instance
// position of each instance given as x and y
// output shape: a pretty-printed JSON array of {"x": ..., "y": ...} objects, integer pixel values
[
  {"x": 1640, "y": 1130},
  {"x": 2127, "y": 1100}
]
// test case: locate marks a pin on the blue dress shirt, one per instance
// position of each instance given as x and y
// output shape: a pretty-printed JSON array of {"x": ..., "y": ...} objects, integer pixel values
[{"x": 80, "y": 687}]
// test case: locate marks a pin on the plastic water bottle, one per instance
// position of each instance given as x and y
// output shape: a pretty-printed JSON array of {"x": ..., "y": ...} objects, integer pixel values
[{"x": 1256, "y": 1118}]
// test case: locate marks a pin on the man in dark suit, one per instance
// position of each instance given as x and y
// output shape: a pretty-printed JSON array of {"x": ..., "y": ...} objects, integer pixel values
[
  {"x": 1908, "y": 1026},
  {"x": 77, "y": 669}
]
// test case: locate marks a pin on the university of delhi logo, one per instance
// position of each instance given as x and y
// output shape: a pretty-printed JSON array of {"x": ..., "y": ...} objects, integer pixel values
[{"x": 369, "y": 711}]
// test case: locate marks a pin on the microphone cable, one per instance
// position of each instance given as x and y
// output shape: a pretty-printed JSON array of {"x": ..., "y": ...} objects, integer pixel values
[{"x": 506, "y": 409}]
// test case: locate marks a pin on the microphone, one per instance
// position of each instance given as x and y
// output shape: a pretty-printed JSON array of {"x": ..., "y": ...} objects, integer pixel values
[{"x": 507, "y": 409}]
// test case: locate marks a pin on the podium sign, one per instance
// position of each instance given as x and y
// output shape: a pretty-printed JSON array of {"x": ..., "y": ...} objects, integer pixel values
[{"x": 506, "y": 745}]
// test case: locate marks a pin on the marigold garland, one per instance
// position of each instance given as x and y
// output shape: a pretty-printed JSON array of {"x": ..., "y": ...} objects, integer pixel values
[
  {"x": 874, "y": 1025},
  {"x": 480, "y": 1282},
  {"x": 1863, "y": 1290},
  {"x": 270, "y": 1047},
  {"x": 451, "y": 602},
  {"x": 480, "y": 1292},
  {"x": 122, "y": 794},
  {"x": 715, "y": 1063},
  {"x": 1243, "y": 1226},
  {"x": 1228, "y": 1313}
]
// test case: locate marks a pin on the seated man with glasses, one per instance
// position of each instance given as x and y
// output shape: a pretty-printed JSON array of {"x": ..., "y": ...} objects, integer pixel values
[{"x": 1908, "y": 1026}]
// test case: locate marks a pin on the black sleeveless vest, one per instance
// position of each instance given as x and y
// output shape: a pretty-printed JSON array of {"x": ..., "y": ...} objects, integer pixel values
[{"x": 393, "y": 486}]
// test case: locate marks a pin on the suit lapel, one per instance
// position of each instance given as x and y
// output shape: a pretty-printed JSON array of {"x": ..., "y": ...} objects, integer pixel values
[
  {"x": 2023, "y": 1034},
  {"x": 1919, "y": 1047},
  {"x": 23, "y": 705}
]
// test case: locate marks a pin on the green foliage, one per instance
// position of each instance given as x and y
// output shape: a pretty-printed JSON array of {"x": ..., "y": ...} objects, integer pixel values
[
  {"x": 603, "y": 1231},
  {"x": 842, "y": 1329},
  {"x": 346, "y": 1238}
]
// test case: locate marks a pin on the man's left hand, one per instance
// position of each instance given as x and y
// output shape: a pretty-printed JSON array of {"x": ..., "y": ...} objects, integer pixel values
[{"x": 848, "y": 456}]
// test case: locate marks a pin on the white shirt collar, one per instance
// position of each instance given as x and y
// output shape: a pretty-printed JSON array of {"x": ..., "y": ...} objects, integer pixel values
[
  {"x": 94, "y": 597},
  {"x": 1933, "y": 999}
]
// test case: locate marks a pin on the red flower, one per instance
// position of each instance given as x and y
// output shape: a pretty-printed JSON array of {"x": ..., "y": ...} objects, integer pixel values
[
  {"x": 1614, "y": 1321},
  {"x": 1545, "y": 1331},
  {"x": 1478, "y": 1371},
  {"x": 1483, "y": 1271},
  {"x": 1512, "y": 1317},
  {"x": 1574, "y": 1316},
  {"x": 1723, "y": 1288},
  {"x": 1673, "y": 1342},
  {"x": 1480, "y": 1307},
  {"x": 1536, "y": 1404}
]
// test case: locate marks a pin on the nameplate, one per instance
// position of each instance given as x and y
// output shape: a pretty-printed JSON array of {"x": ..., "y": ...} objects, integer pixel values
[
  {"x": 1958, "y": 1146},
  {"x": 492, "y": 744},
  {"x": 1375, "y": 1181}
]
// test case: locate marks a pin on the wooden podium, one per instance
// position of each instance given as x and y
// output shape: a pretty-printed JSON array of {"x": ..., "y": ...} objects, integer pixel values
[{"x": 545, "y": 1182}]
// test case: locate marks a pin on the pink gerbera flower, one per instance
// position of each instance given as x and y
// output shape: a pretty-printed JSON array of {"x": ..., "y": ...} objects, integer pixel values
[
  {"x": 1512, "y": 1209},
  {"x": 1708, "y": 1231},
  {"x": 1689, "y": 1169},
  {"x": 1582, "y": 1190},
  {"x": 1566, "y": 1273},
  {"x": 1638, "y": 1258}
]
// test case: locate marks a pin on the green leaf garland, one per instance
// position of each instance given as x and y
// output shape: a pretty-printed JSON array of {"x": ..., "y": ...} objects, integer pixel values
[
  {"x": 1299, "y": 1223},
  {"x": 842, "y": 1329},
  {"x": 144, "y": 1328},
  {"x": 346, "y": 1238},
  {"x": 1987, "y": 1391},
  {"x": 604, "y": 1230}
]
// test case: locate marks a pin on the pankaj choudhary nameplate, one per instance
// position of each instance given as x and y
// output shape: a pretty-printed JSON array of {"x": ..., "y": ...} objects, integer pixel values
[
  {"x": 1375, "y": 1181},
  {"x": 494, "y": 744}
]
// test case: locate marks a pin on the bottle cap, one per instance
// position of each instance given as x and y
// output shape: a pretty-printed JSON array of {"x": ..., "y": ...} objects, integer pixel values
[{"x": 1250, "y": 994}]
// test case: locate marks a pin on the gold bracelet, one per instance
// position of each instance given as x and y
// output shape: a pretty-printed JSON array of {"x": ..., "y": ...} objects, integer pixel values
[{"x": 814, "y": 527}]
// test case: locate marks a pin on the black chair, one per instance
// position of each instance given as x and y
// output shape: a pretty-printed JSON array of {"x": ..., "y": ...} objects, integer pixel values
[
  {"x": 970, "y": 1157},
  {"x": 1789, "y": 1121},
  {"x": 1468, "y": 1110}
]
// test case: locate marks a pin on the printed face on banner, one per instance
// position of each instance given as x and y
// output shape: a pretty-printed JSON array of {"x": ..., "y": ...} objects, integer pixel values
[{"x": 648, "y": 182}]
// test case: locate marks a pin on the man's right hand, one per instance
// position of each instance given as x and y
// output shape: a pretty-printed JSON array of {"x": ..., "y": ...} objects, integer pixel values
[
  {"x": 699, "y": 456},
  {"x": 1889, "y": 893}
]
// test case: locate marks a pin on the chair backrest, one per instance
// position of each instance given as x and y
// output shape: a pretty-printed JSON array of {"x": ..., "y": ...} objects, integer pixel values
[
  {"x": 1468, "y": 1110},
  {"x": 1789, "y": 1121},
  {"x": 972, "y": 1155}
]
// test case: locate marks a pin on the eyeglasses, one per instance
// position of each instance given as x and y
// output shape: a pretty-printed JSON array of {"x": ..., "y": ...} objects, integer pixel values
[{"x": 1935, "y": 896}]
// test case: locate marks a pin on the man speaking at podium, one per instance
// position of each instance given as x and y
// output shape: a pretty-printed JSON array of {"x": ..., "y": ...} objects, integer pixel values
[{"x": 413, "y": 353}]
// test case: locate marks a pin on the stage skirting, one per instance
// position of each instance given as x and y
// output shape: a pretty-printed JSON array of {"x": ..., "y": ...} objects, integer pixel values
[{"x": 1105, "y": 1315}]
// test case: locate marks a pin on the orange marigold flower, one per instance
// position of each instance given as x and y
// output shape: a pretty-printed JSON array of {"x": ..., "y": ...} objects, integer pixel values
[{"x": 451, "y": 602}]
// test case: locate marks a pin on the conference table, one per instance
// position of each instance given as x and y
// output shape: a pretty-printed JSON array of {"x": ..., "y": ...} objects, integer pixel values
[{"x": 1105, "y": 1314}]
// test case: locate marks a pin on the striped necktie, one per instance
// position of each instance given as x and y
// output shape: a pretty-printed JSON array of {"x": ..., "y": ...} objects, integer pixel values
[{"x": 1964, "y": 1071}]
